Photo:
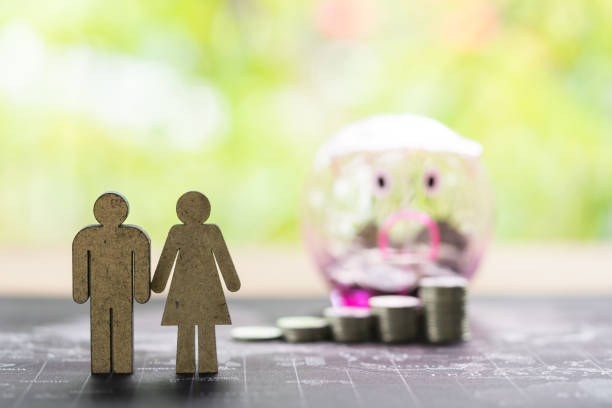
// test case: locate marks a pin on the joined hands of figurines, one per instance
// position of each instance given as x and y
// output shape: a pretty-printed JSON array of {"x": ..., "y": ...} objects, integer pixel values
[{"x": 195, "y": 297}]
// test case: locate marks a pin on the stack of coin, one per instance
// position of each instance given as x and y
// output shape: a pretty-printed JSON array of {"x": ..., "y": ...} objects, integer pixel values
[
  {"x": 444, "y": 303},
  {"x": 349, "y": 324},
  {"x": 256, "y": 333},
  {"x": 298, "y": 329},
  {"x": 396, "y": 317}
]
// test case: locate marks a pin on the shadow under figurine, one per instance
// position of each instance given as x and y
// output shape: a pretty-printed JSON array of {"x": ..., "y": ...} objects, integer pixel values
[{"x": 196, "y": 297}]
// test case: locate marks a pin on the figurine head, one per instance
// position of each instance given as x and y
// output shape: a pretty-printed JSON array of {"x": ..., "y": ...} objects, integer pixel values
[
  {"x": 193, "y": 208},
  {"x": 111, "y": 209}
]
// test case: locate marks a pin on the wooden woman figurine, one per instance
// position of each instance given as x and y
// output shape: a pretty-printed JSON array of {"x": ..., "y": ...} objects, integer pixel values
[{"x": 195, "y": 297}]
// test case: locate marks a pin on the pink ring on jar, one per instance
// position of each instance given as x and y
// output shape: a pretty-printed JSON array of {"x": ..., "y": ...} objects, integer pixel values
[{"x": 421, "y": 217}]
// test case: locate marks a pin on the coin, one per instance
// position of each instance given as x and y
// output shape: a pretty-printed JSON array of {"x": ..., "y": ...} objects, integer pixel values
[
  {"x": 444, "y": 304},
  {"x": 446, "y": 281},
  {"x": 394, "y": 302},
  {"x": 298, "y": 329},
  {"x": 349, "y": 324},
  {"x": 396, "y": 317},
  {"x": 256, "y": 333}
]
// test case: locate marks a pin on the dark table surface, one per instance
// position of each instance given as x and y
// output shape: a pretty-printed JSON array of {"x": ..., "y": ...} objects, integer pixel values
[{"x": 523, "y": 352}]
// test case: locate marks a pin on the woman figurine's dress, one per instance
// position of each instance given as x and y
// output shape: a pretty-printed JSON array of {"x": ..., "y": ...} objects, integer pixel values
[{"x": 196, "y": 297}]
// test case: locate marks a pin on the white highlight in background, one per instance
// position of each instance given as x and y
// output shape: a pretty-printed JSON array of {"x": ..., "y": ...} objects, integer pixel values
[{"x": 118, "y": 91}]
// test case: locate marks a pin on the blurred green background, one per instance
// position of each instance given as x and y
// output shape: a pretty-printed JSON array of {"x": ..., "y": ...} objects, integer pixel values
[{"x": 153, "y": 98}]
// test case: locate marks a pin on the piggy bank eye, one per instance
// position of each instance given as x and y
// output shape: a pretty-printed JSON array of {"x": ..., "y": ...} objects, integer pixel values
[
  {"x": 382, "y": 183},
  {"x": 431, "y": 182}
]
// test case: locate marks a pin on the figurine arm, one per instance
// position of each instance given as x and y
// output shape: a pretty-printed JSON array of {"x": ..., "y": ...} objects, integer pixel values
[
  {"x": 224, "y": 261},
  {"x": 142, "y": 267},
  {"x": 164, "y": 266},
  {"x": 80, "y": 268}
]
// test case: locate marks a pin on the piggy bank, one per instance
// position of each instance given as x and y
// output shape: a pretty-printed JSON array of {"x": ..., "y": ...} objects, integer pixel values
[{"x": 393, "y": 199}]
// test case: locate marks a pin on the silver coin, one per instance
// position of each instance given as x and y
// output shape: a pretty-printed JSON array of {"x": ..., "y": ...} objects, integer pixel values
[
  {"x": 256, "y": 333},
  {"x": 394, "y": 301},
  {"x": 444, "y": 282},
  {"x": 396, "y": 318},
  {"x": 444, "y": 303},
  {"x": 347, "y": 312},
  {"x": 349, "y": 324},
  {"x": 297, "y": 329}
]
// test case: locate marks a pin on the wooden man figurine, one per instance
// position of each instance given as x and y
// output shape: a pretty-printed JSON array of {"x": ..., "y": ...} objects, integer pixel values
[
  {"x": 111, "y": 264},
  {"x": 196, "y": 297}
]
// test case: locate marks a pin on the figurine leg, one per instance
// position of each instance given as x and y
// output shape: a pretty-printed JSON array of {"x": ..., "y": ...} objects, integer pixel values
[
  {"x": 185, "y": 350},
  {"x": 207, "y": 350},
  {"x": 123, "y": 339},
  {"x": 100, "y": 340}
]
